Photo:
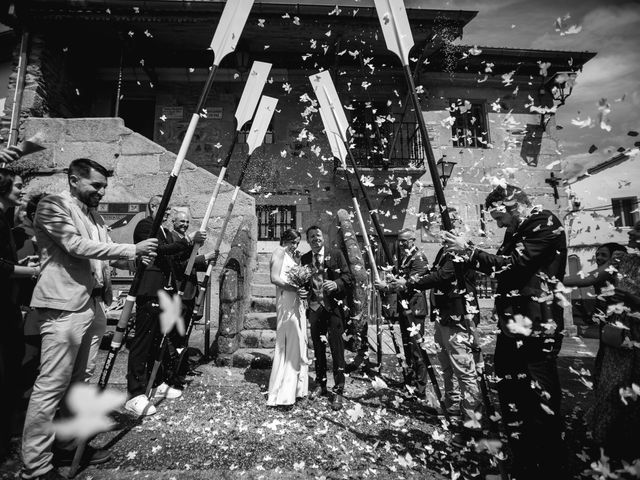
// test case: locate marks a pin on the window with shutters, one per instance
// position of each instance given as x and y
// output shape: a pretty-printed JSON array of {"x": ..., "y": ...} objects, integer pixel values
[
  {"x": 625, "y": 209},
  {"x": 469, "y": 127},
  {"x": 273, "y": 220}
]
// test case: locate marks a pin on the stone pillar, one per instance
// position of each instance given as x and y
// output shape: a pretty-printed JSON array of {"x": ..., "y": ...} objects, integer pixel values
[
  {"x": 358, "y": 319},
  {"x": 235, "y": 286}
]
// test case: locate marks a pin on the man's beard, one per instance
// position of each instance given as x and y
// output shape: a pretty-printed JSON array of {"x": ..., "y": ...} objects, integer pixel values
[{"x": 91, "y": 200}]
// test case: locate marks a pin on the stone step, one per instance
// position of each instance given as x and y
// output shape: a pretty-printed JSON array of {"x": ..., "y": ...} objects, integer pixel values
[
  {"x": 260, "y": 321},
  {"x": 263, "y": 304},
  {"x": 257, "y": 339},
  {"x": 260, "y": 358},
  {"x": 260, "y": 277},
  {"x": 263, "y": 290},
  {"x": 263, "y": 258}
]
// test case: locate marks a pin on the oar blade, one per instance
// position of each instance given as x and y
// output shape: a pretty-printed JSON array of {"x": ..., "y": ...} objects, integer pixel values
[
  {"x": 329, "y": 100},
  {"x": 335, "y": 142},
  {"x": 230, "y": 26},
  {"x": 261, "y": 121},
  {"x": 395, "y": 27},
  {"x": 251, "y": 93}
]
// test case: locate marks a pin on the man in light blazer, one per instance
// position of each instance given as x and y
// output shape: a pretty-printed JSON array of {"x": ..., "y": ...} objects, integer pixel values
[{"x": 74, "y": 285}]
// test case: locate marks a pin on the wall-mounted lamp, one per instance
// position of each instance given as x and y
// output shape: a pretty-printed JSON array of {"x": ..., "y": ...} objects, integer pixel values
[
  {"x": 560, "y": 86},
  {"x": 445, "y": 169},
  {"x": 243, "y": 59}
]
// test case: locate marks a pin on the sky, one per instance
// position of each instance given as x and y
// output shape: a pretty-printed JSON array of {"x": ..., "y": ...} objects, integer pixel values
[{"x": 609, "y": 28}]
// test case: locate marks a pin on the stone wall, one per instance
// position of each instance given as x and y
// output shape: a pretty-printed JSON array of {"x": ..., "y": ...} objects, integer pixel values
[
  {"x": 235, "y": 290},
  {"x": 55, "y": 85},
  {"x": 140, "y": 169},
  {"x": 297, "y": 167}
]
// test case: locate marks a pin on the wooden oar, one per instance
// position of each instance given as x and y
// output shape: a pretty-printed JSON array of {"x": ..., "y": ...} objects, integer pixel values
[
  {"x": 330, "y": 101},
  {"x": 399, "y": 39},
  {"x": 335, "y": 125},
  {"x": 244, "y": 113},
  {"x": 265, "y": 111},
  {"x": 225, "y": 39}
]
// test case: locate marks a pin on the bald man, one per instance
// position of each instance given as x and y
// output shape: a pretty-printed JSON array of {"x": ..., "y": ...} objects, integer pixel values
[{"x": 180, "y": 223}]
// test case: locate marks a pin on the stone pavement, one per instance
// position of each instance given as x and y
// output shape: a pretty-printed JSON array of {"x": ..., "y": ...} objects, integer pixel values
[{"x": 222, "y": 428}]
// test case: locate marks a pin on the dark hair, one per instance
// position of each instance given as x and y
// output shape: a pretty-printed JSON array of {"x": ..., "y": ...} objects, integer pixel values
[
  {"x": 6, "y": 181},
  {"x": 151, "y": 201},
  {"x": 289, "y": 235},
  {"x": 507, "y": 196},
  {"x": 312, "y": 227},
  {"x": 613, "y": 247},
  {"x": 32, "y": 204},
  {"x": 81, "y": 167}
]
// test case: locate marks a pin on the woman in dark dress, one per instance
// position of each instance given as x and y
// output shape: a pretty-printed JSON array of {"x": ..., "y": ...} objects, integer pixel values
[
  {"x": 11, "y": 342},
  {"x": 602, "y": 278},
  {"x": 616, "y": 411}
]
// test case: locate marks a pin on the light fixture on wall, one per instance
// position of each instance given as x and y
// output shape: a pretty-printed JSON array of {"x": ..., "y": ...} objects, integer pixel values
[
  {"x": 560, "y": 86},
  {"x": 243, "y": 58},
  {"x": 445, "y": 169}
]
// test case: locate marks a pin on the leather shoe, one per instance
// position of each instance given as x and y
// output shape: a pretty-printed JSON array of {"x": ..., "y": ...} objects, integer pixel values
[
  {"x": 319, "y": 391},
  {"x": 91, "y": 456},
  {"x": 337, "y": 402}
]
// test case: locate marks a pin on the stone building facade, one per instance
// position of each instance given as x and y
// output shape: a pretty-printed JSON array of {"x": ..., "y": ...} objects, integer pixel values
[{"x": 481, "y": 104}]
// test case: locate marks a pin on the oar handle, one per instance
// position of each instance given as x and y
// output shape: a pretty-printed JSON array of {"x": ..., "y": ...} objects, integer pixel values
[
  {"x": 207, "y": 214},
  {"x": 372, "y": 213},
  {"x": 365, "y": 238},
  {"x": 431, "y": 161}
]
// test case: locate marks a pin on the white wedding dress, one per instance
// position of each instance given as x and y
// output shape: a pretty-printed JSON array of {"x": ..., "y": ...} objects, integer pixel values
[{"x": 290, "y": 371}]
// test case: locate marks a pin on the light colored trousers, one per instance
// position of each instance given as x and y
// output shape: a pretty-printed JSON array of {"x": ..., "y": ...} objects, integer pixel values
[
  {"x": 456, "y": 359},
  {"x": 70, "y": 342}
]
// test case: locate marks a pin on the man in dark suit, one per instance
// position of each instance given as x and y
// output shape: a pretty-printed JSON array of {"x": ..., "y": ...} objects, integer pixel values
[
  {"x": 411, "y": 304},
  {"x": 144, "y": 347},
  {"x": 327, "y": 311},
  {"x": 528, "y": 266},
  {"x": 180, "y": 222}
]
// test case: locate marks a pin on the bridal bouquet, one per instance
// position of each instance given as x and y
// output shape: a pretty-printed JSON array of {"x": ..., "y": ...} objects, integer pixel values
[{"x": 298, "y": 276}]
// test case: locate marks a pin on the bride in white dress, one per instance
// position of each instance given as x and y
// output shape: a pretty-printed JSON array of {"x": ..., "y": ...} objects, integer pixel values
[{"x": 290, "y": 371}]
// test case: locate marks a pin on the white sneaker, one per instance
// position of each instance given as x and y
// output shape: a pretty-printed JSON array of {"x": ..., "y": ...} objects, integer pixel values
[
  {"x": 141, "y": 406},
  {"x": 165, "y": 391}
]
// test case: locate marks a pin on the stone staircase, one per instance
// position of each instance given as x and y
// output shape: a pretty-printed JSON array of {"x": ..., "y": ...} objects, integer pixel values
[{"x": 258, "y": 337}]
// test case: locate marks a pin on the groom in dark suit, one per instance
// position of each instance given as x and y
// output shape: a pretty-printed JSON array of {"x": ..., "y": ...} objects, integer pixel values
[{"x": 327, "y": 310}]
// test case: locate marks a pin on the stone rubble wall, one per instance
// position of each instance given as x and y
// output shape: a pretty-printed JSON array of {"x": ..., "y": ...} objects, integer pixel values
[{"x": 141, "y": 169}]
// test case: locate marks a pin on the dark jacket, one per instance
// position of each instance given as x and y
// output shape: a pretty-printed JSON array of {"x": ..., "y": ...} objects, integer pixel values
[
  {"x": 8, "y": 261},
  {"x": 179, "y": 264},
  {"x": 448, "y": 302},
  {"x": 159, "y": 274},
  {"x": 336, "y": 268},
  {"x": 413, "y": 265},
  {"x": 528, "y": 265}
]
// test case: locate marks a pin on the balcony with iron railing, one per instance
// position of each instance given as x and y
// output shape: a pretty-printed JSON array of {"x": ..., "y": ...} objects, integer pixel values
[{"x": 402, "y": 149}]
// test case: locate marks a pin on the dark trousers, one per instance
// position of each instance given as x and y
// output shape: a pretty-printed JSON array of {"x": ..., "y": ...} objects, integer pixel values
[
  {"x": 176, "y": 343},
  {"x": 324, "y": 322},
  {"x": 11, "y": 353},
  {"x": 144, "y": 348},
  {"x": 529, "y": 392},
  {"x": 417, "y": 368}
]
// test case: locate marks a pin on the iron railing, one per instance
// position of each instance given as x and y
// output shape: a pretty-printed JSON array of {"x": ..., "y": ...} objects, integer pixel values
[{"x": 407, "y": 152}]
